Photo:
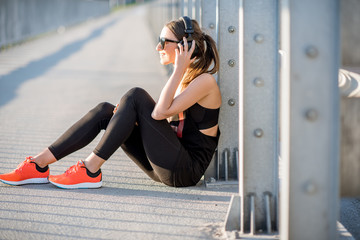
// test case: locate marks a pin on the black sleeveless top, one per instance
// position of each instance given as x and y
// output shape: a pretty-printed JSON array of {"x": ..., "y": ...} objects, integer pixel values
[
  {"x": 199, "y": 146},
  {"x": 204, "y": 117}
]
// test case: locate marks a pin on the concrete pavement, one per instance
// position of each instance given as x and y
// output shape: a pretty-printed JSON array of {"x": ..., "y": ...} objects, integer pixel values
[{"x": 49, "y": 83}]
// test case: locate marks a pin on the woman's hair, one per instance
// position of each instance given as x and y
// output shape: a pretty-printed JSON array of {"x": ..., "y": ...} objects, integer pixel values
[{"x": 207, "y": 57}]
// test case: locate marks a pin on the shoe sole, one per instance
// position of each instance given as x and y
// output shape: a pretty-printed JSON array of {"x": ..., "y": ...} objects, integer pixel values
[
  {"x": 27, "y": 181},
  {"x": 79, "y": 185}
]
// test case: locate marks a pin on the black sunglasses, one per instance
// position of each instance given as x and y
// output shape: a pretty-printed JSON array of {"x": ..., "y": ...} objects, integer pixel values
[{"x": 163, "y": 40}]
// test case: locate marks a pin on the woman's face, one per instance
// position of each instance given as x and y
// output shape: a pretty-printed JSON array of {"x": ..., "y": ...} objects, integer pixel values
[{"x": 167, "y": 55}]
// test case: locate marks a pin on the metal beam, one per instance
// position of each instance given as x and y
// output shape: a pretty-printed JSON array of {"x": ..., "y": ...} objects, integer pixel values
[
  {"x": 258, "y": 125},
  {"x": 258, "y": 120},
  {"x": 309, "y": 119}
]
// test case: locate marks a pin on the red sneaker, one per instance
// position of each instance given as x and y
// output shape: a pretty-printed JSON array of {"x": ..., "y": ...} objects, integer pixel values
[
  {"x": 27, "y": 172},
  {"x": 77, "y": 176}
]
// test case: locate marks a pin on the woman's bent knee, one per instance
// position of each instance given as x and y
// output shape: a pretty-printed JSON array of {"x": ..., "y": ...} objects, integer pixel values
[
  {"x": 103, "y": 109},
  {"x": 136, "y": 95},
  {"x": 136, "y": 91}
]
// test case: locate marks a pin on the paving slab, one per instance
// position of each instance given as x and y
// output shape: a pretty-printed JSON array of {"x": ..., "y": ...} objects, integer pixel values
[{"x": 49, "y": 83}]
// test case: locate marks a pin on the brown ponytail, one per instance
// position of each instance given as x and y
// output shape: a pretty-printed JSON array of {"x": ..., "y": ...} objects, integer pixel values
[{"x": 211, "y": 53}]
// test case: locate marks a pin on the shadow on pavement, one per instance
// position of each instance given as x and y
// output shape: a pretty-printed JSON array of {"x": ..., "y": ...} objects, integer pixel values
[{"x": 9, "y": 83}]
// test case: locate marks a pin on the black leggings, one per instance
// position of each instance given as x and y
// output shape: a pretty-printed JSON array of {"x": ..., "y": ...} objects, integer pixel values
[{"x": 150, "y": 143}]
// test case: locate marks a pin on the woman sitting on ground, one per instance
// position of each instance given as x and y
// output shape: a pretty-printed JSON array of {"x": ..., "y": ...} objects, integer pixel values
[{"x": 172, "y": 141}]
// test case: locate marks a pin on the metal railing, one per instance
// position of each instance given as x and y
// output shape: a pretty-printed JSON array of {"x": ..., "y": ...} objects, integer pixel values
[
  {"x": 24, "y": 19},
  {"x": 305, "y": 109}
]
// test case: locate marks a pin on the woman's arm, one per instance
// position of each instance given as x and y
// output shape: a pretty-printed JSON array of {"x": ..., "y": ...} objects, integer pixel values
[
  {"x": 167, "y": 94},
  {"x": 202, "y": 87},
  {"x": 182, "y": 62}
]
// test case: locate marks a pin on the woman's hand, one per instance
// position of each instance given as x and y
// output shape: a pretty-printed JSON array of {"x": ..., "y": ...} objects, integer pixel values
[
  {"x": 183, "y": 56},
  {"x": 164, "y": 107}
]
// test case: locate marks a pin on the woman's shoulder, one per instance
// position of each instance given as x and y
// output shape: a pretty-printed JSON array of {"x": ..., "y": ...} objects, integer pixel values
[
  {"x": 208, "y": 83},
  {"x": 206, "y": 78}
]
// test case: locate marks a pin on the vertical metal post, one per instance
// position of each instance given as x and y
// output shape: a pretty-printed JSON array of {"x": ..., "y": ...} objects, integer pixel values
[
  {"x": 168, "y": 9},
  {"x": 228, "y": 45},
  {"x": 309, "y": 119},
  {"x": 237, "y": 163},
  {"x": 258, "y": 114},
  {"x": 174, "y": 9},
  {"x": 267, "y": 196},
  {"x": 241, "y": 120},
  {"x": 252, "y": 214},
  {"x": 209, "y": 17},
  {"x": 189, "y": 8},
  {"x": 217, "y": 164},
  {"x": 198, "y": 11},
  {"x": 226, "y": 163},
  {"x": 182, "y": 7},
  {"x": 209, "y": 25},
  {"x": 258, "y": 119}
]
